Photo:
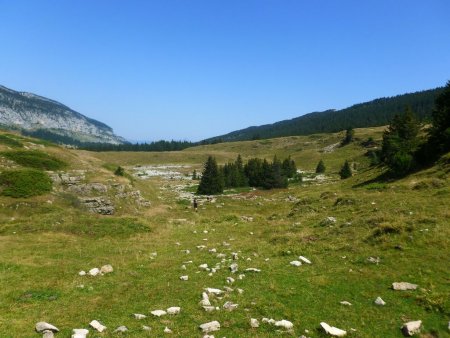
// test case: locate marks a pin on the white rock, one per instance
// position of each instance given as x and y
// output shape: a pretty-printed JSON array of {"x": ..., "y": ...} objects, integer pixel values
[
  {"x": 139, "y": 316},
  {"x": 183, "y": 267},
  {"x": 374, "y": 260},
  {"x": 94, "y": 272},
  {"x": 79, "y": 333},
  {"x": 235, "y": 256},
  {"x": 167, "y": 330},
  {"x": 97, "y": 325},
  {"x": 213, "y": 250},
  {"x": 213, "y": 291},
  {"x": 82, "y": 273},
  {"x": 344, "y": 302},
  {"x": 210, "y": 327},
  {"x": 254, "y": 322},
  {"x": 158, "y": 313},
  {"x": 201, "y": 247},
  {"x": 174, "y": 310},
  {"x": 43, "y": 326},
  {"x": 234, "y": 268},
  {"x": 48, "y": 334},
  {"x": 284, "y": 324},
  {"x": 241, "y": 291},
  {"x": 146, "y": 328},
  {"x": 203, "y": 266},
  {"x": 304, "y": 259},
  {"x": 411, "y": 328},
  {"x": 209, "y": 308},
  {"x": 106, "y": 269},
  {"x": 328, "y": 221},
  {"x": 184, "y": 278},
  {"x": 379, "y": 301},
  {"x": 121, "y": 329},
  {"x": 333, "y": 331},
  {"x": 208, "y": 336},
  {"x": 241, "y": 276},
  {"x": 403, "y": 286},
  {"x": 230, "y": 280},
  {"x": 187, "y": 251},
  {"x": 229, "y": 306},
  {"x": 221, "y": 255},
  {"x": 252, "y": 270},
  {"x": 295, "y": 263}
]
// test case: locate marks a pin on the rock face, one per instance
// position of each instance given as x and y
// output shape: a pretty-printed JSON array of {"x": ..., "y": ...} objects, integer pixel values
[
  {"x": 98, "y": 205},
  {"x": 411, "y": 328},
  {"x": 403, "y": 286},
  {"x": 31, "y": 112}
]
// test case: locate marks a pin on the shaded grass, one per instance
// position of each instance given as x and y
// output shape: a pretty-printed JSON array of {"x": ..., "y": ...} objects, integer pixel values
[{"x": 35, "y": 159}]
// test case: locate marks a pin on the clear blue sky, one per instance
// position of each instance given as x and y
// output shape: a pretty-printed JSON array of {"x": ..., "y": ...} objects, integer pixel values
[{"x": 191, "y": 69}]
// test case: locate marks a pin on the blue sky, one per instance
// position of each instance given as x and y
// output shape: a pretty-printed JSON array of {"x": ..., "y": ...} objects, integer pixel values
[{"x": 191, "y": 69}]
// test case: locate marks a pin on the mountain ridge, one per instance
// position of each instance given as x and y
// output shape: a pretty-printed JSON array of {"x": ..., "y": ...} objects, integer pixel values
[{"x": 37, "y": 115}]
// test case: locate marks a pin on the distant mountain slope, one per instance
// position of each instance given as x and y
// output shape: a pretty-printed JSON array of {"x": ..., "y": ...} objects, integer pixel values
[
  {"x": 41, "y": 117},
  {"x": 368, "y": 114}
]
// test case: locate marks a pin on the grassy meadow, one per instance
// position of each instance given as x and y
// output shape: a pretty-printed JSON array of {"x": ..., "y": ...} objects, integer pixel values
[{"x": 46, "y": 240}]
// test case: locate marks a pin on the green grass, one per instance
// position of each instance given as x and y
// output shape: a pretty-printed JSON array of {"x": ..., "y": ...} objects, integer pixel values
[
  {"x": 43, "y": 246},
  {"x": 10, "y": 141},
  {"x": 24, "y": 183},
  {"x": 35, "y": 159}
]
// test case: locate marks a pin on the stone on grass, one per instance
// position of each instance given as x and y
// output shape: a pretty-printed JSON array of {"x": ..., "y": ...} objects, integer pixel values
[
  {"x": 333, "y": 331},
  {"x": 79, "y": 333},
  {"x": 229, "y": 306},
  {"x": 295, "y": 263},
  {"x": 374, "y": 260},
  {"x": 403, "y": 286},
  {"x": 209, "y": 308},
  {"x": 203, "y": 266},
  {"x": 379, "y": 301},
  {"x": 43, "y": 326},
  {"x": 304, "y": 259},
  {"x": 254, "y": 323},
  {"x": 208, "y": 336},
  {"x": 270, "y": 321},
  {"x": 210, "y": 327},
  {"x": 234, "y": 268},
  {"x": 328, "y": 221},
  {"x": 94, "y": 272},
  {"x": 286, "y": 324},
  {"x": 230, "y": 280},
  {"x": 174, "y": 310},
  {"x": 97, "y": 325},
  {"x": 184, "y": 278},
  {"x": 167, "y": 330},
  {"x": 252, "y": 270},
  {"x": 344, "y": 302},
  {"x": 213, "y": 291},
  {"x": 146, "y": 328},
  {"x": 48, "y": 334},
  {"x": 139, "y": 316},
  {"x": 82, "y": 273},
  {"x": 106, "y": 269},
  {"x": 411, "y": 328},
  {"x": 158, "y": 313},
  {"x": 121, "y": 329},
  {"x": 205, "y": 300}
]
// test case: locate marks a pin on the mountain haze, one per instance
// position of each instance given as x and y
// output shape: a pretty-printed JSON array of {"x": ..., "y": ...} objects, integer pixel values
[
  {"x": 45, "y": 118},
  {"x": 374, "y": 113}
]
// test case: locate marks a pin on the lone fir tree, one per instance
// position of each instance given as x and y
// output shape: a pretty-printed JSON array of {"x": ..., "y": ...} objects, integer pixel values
[
  {"x": 346, "y": 171},
  {"x": 320, "y": 169},
  {"x": 211, "y": 182}
]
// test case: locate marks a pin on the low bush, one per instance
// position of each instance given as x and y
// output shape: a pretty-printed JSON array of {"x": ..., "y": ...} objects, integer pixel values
[
  {"x": 24, "y": 183},
  {"x": 9, "y": 141},
  {"x": 35, "y": 160}
]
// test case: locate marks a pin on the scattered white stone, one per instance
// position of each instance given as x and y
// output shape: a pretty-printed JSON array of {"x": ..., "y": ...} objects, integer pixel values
[
  {"x": 379, "y": 301},
  {"x": 158, "y": 313},
  {"x": 94, "y": 272},
  {"x": 403, "y": 286},
  {"x": 221, "y": 255},
  {"x": 241, "y": 276},
  {"x": 411, "y": 328},
  {"x": 328, "y": 221},
  {"x": 284, "y": 324},
  {"x": 48, "y": 334},
  {"x": 248, "y": 259},
  {"x": 229, "y": 306},
  {"x": 295, "y": 263},
  {"x": 82, "y": 273},
  {"x": 167, "y": 330},
  {"x": 209, "y": 308},
  {"x": 201, "y": 247},
  {"x": 203, "y": 266},
  {"x": 208, "y": 336},
  {"x": 213, "y": 291},
  {"x": 121, "y": 329},
  {"x": 210, "y": 327},
  {"x": 205, "y": 300},
  {"x": 235, "y": 256},
  {"x": 139, "y": 316},
  {"x": 234, "y": 268},
  {"x": 79, "y": 333},
  {"x": 97, "y": 325},
  {"x": 43, "y": 326},
  {"x": 252, "y": 270},
  {"x": 174, "y": 310},
  {"x": 254, "y": 322},
  {"x": 183, "y": 267},
  {"x": 333, "y": 331},
  {"x": 374, "y": 260},
  {"x": 344, "y": 302},
  {"x": 304, "y": 259},
  {"x": 187, "y": 252},
  {"x": 213, "y": 250},
  {"x": 106, "y": 269},
  {"x": 146, "y": 328},
  {"x": 270, "y": 321},
  {"x": 184, "y": 278},
  {"x": 154, "y": 254},
  {"x": 230, "y": 280},
  {"x": 241, "y": 291}
]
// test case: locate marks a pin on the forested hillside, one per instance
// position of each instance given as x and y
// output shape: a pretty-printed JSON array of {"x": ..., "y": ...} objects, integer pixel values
[{"x": 378, "y": 112}]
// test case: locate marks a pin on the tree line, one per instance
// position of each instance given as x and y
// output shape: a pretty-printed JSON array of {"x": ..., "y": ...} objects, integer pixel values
[{"x": 255, "y": 173}]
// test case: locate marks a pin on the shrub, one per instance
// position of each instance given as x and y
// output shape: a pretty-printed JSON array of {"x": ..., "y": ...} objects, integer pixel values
[
  {"x": 119, "y": 171},
  {"x": 320, "y": 169},
  {"x": 35, "y": 160},
  {"x": 24, "y": 183},
  {"x": 346, "y": 171},
  {"x": 8, "y": 141}
]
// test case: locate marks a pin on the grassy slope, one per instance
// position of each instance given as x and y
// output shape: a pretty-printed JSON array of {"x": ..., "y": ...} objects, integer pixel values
[{"x": 43, "y": 246}]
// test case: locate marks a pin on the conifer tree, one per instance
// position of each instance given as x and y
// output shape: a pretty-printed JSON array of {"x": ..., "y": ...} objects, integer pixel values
[
  {"x": 211, "y": 181},
  {"x": 346, "y": 171},
  {"x": 349, "y": 134},
  {"x": 320, "y": 169},
  {"x": 440, "y": 131}
]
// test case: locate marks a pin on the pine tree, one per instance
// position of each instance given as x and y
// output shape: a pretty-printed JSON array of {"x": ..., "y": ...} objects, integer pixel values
[
  {"x": 440, "y": 131},
  {"x": 212, "y": 181},
  {"x": 289, "y": 169},
  {"x": 346, "y": 170},
  {"x": 194, "y": 175},
  {"x": 349, "y": 134},
  {"x": 320, "y": 169}
]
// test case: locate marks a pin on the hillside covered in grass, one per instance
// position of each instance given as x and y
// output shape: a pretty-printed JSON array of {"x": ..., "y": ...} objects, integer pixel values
[{"x": 360, "y": 234}]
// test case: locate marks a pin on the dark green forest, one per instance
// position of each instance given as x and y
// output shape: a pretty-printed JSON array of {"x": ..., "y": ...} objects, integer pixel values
[{"x": 374, "y": 113}]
